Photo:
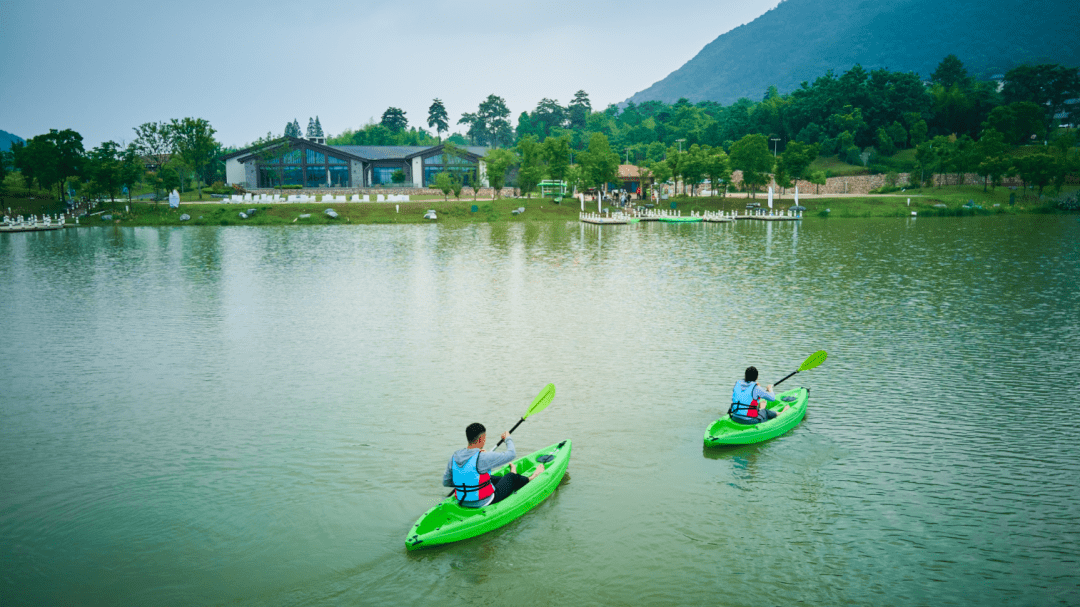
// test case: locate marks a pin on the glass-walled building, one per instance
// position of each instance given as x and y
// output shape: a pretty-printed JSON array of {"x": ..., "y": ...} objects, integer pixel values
[{"x": 294, "y": 161}]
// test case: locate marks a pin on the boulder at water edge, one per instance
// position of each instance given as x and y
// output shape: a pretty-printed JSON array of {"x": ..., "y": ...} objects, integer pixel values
[{"x": 185, "y": 217}]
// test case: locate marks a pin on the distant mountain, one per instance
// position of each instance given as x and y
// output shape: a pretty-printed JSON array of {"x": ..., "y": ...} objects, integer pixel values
[
  {"x": 6, "y": 139},
  {"x": 800, "y": 40}
]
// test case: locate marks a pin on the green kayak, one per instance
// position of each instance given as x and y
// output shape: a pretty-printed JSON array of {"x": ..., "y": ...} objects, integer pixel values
[
  {"x": 790, "y": 406},
  {"x": 449, "y": 522},
  {"x": 681, "y": 219}
]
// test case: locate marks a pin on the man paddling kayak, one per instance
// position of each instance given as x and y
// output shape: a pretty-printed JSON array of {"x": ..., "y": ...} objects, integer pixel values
[
  {"x": 746, "y": 406},
  {"x": 468, "y": 471}
]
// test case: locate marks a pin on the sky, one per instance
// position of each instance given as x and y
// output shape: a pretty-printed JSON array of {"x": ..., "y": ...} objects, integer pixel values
[{"x": 103, "y": 67}]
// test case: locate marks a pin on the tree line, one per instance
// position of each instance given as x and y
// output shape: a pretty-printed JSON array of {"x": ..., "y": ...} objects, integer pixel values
[{"x": 165, "y": 154}]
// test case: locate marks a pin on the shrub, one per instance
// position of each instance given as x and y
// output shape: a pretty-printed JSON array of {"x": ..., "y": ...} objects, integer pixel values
[{"x": 1068, "y": 202}]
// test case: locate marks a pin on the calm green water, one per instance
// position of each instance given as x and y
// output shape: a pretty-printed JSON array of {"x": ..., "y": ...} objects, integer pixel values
[{"x": 251, "y": 416}]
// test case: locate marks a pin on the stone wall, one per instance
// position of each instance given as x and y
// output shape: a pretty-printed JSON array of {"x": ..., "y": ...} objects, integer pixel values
[{"x": 862, "y": 184}]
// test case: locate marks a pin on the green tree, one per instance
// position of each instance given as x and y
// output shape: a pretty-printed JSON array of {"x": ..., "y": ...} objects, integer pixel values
[
  {"x": 897, "y": 134},
  {"x": 693, "y": 167},
  {"x": 885, "y": 143},
  {"x": 796, "y": 159},
  {"x": 951, "y": 71},
  {"x": 24, "y": 158},
  {"x": 497, "y": 162},
  {"x": 751, "y": 156},
  {"x": 318, "y": 128},
  {"x": 557, "y": 154},
  {"x": 292, "y": 129},
  {"x": 578, "y": 110},
  {"x": 132, "y": 169},
  {"x": 548, "y": 115},
  {"x": 1038, "y": 170},
  {"x": 660, "y": 172},
  {"x": 193, "y": 140},
  {"x": 918, "y": 132},
  {"x": 104, "y": 169},
  {"x": 532, "y": 164},
  {"x": 394, "y": 119},
  {"x": 598, "y": 163},
  {"x": 1018, "y": 122},
  {"x": 989, "y": 156},
  {"x": 675, "y": 162},
  {"x": 818, "y": 178},
  {"x": 575, "y": 178},
  {"x": 718, "y": 170},
  {"x": 154, "y": 143},
  {"x": 495, "y": 116},
  {"x": 68, "y": 159},
  {"x": 444, "y": 182},
  {"x": 1048, "y": 86},
  {"x": 437, "y": 118}
]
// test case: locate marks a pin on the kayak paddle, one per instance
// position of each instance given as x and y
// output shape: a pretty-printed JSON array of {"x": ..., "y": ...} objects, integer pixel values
[
  {"x": 542, "y": 400},
  {"x": 815, "y": 359}
]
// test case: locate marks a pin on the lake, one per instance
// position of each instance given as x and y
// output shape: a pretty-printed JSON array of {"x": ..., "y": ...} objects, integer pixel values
[{"x": 256, "y": 416}]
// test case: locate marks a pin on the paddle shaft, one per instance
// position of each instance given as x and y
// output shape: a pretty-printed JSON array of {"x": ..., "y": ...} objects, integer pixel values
[
  {"x": 782, "y": 380},
  {"x": 510, "y": 432}
]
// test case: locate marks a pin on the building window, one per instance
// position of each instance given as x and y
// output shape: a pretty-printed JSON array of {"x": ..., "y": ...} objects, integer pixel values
[
  {"x": 383, "y": 175},
  {"x": 304, "y": 167},
  {"x": 462, "y": 167},
  {"x": 339, "y": 176},
  {"x": 464, "y": 174}
]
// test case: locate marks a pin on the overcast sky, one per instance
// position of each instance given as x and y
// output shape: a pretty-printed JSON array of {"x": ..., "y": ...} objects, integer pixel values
[{"x": 102, "y": 67}]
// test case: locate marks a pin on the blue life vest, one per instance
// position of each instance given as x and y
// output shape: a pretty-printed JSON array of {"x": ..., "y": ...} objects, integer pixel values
[
  {"x": 469, "y": 484},
  {"x": 743, "y": 402}
]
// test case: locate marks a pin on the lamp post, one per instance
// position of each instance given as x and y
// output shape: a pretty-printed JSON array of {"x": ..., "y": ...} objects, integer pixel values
[
  {"x": 774, "y": 140},
  {"x": 679, "y": 141},
  {"x": 627, "y": 155}
]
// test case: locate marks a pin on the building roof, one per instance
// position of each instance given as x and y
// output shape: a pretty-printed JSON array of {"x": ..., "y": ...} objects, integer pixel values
[
  {"x": 359, "y": 152},
  {"x": 382, "y": 152},
  {"x": 629, "y": 171}
]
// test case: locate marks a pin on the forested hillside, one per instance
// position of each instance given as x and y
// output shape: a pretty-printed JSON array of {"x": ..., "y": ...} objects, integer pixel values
[{"x": 800, "y": 40}]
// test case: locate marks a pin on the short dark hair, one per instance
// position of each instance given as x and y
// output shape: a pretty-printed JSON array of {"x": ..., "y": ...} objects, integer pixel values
[
  {"x": 473, "y": 431},
  {"x": 751, "y": 374}
]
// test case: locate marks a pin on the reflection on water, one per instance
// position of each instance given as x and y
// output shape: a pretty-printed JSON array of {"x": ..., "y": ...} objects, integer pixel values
[{"x": 209, "y": 415}]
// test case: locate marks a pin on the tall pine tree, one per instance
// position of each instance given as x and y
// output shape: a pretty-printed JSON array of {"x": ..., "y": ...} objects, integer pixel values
[{"x": 318, "y": 128}]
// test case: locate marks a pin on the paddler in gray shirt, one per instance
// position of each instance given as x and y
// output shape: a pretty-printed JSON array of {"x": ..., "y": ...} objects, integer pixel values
[{"x": 468, "y": 471}]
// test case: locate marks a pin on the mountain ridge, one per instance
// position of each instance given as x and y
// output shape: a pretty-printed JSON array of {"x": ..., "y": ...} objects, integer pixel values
[
  {"x": 6, "y": 139},
  {"x": 801, "y": 40}
]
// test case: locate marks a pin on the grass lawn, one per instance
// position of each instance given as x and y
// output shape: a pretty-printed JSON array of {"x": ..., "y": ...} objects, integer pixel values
[
  {"x": 923, "y": 201},
  {"x": 147, "y": 214},
  {"x": 834, "y": 167}
]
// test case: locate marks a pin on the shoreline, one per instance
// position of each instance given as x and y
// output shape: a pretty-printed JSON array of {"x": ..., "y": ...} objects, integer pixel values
[
  {"x": 537, "y": 209},
  {"x": 932, "y": 203}
]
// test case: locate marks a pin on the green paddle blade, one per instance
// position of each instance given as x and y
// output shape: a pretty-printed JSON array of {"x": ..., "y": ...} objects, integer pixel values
[
  {"x": 541, "y": 401},
  {"x": 815, "y": 359}
]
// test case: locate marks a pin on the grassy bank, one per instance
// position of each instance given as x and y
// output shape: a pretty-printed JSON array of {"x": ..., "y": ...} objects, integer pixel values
[
  {"x": 148, "y": 214},
  {"x": 957, "y": 200}
]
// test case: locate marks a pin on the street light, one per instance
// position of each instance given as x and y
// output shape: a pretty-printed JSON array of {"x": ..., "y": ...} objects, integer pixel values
[
  {"x": 774, "y": 140},
  {"x": 627, "y": 155},
  {"x": 679, "y": 141}
]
